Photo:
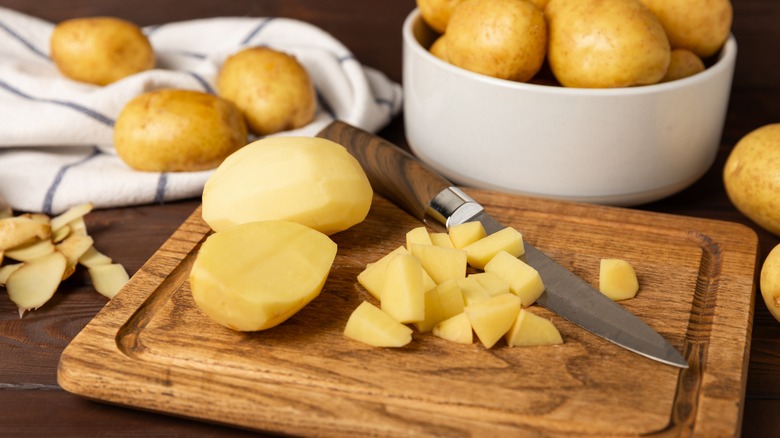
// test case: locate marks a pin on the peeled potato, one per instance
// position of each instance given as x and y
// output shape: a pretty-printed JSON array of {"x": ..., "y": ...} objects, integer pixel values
[
  {"x": 100, "y": 50},
  {"x": 272, "y": 89},
  {"x": 256, "y": 275},
  {"x": 178, "y": 130},
  {"x": 308, "y": 180}
]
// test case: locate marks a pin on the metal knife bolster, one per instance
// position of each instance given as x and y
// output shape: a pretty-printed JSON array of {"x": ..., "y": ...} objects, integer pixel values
[{"x": 452, "y": 207}]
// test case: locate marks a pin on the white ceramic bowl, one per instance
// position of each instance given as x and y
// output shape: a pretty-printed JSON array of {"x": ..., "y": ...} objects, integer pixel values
[{"x": 623, "y": 146}]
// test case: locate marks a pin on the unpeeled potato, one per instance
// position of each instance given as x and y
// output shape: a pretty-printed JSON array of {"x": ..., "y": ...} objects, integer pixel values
[
  {"x": 605, "y": 43},
  {"x": 506, "y": 39},
  {"x": 178, "y": 130},
  {"x": 100, "y": 50},
  {"x": 751, "y": 176},
  {"x": 701, "y": 26},
  {"x": 272, "y": 89}
]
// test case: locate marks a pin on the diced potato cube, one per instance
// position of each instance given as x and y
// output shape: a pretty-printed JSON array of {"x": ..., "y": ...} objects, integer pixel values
[
  {"x": 492, "y": 318},
  {"x": 433, "y": 312},
  {"x": 373, "y": 276},
  {"x": 492, "y": 283},
  {"x": 441, "y": 263},
  {"x": 617, "y": 279},
  {"x": 466, "y": 233},
  {"x": 450, "y": 298},
  {"x": 403, "y": 296},
  {"x": 473, "y": 292},
  {"x": 524, "y": 281},
  {"x": 372, "y": 326},
  {"x": 455, "y": 329},
  {"x": 481, "y": 251},
  {"x": 417, "y": 235},
  {"x": 531, "y": 329},
  {"x": 441, "y": 239}
]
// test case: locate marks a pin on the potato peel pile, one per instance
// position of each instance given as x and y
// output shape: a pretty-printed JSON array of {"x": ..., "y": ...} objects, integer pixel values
[{"x": 38, "y": 252}]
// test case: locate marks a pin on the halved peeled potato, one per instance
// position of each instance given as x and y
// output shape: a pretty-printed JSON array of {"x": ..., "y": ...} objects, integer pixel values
[{"x": 256, "y": 275}]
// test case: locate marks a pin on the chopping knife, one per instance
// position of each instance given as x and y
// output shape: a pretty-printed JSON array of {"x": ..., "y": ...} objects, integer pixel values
[{"x": 421, "y": 191}]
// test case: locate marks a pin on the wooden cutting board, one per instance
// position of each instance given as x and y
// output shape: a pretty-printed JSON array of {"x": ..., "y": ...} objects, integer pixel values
[{"x": 151, "y": 348}]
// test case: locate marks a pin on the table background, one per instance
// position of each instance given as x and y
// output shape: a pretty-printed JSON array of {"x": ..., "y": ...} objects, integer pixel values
[{"x": 31, "y": 402}]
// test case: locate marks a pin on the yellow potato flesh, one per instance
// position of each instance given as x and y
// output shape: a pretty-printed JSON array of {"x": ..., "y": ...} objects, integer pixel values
[
  {"x": 440, "y": 263},
  {"x": 417, "y": 235},
  {"x": 256, "y": 275},
  {"x": 466, "y": 233},
  {"x": 524, "y": 281},
  {"x": 492, "y": 318},
  {"x": 456, "y": 329},
  {"x": 531, "y": 329},
  {"x": 481, "y": 251},
  {"x": 403, "y": 296},
  {"x": 370, "y": 325},
  {"x": 617, "y": 279},
  {"x": 311, "y": 181}
]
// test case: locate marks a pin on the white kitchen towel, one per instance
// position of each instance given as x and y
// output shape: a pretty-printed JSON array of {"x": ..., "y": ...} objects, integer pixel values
[{"x": 56, "y": 134}]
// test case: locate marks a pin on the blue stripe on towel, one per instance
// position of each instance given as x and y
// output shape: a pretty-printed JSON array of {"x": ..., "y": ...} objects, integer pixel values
[
  {"x": 23, "y": 41},
  {"x": 84, "y": 110},
  {"x": 256, "y": 30},
  {"x": 162, "y": 185},
  {"x": 49, "y": 199},
  {"x": 203, "y": 82}
]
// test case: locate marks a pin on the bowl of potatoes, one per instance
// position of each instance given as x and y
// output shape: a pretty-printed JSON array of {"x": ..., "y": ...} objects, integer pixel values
[{"x": 599, "y": 101}]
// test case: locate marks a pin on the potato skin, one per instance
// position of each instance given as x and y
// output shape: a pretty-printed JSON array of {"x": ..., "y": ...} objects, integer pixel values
[
  {"x": 100, "y": 50},
  {"x": 271, "y": 88},
  {"x": 178, "y": 130}
]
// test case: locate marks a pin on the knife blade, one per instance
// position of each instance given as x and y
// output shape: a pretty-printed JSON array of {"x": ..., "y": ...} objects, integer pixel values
[{"x": 424, "y": 193}]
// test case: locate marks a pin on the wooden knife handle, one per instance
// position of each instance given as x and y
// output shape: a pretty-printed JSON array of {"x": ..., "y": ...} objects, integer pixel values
[{"x": 394, "y": 173}]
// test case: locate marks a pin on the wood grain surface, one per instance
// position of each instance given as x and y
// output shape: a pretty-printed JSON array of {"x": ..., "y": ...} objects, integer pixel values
[{"x": 151, "y": 348}]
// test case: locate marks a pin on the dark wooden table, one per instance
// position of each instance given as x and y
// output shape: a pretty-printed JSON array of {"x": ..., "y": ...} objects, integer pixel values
[{"x": 31, "y": 402}]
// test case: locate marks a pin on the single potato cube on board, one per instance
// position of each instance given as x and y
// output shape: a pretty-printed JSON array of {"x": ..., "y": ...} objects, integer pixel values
[
  {"x": 617, "y": 279},
  {"x": 456, "y": 329},
  {"x": 531, "y": 329},
  {"x": 417, "y": 235},
  {"x": 403, "y": 296},
  {"x": 491, "y": 319},
  {"x": 441, "y": 263},
  {"x": 483, "y": 250},
  {"x": 524, "y": 281},
  {"x": 466, "y": 233},
  {"x": 370, "y": 325}
]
